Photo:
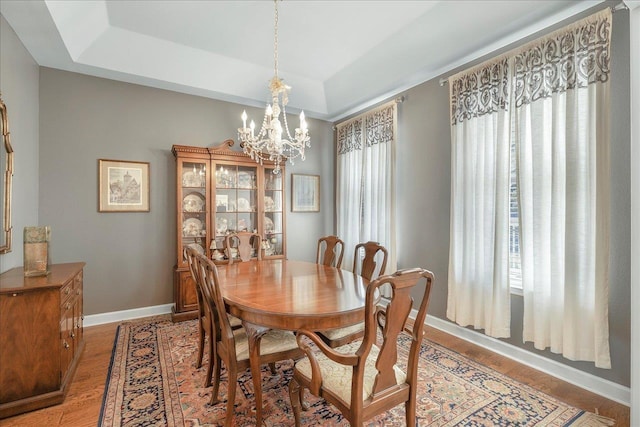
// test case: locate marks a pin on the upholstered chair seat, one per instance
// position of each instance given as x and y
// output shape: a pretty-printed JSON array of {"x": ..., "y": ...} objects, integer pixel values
[
  {"x": 340, "y": 333},
  {"x": 274, "y": 341},
  {"x": 336, "y": 378}
]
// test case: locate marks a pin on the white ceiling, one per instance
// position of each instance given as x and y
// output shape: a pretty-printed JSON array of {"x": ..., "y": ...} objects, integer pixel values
[{"x": 338, "y": 56}]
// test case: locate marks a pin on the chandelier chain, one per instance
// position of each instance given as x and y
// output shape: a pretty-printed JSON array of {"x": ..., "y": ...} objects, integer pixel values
[{"x": 275, "y": 39}]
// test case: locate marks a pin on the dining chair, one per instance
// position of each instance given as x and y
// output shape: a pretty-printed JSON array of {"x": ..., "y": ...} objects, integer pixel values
[
  {"x": 205, "y": 315},
  {"x": 363, "y": 379},
  {"x": 330, "y": 251},
  {"x": 245, "y": 242},
  {"x": 366, "y": 266},
  {"x": 232, "y": 347}
]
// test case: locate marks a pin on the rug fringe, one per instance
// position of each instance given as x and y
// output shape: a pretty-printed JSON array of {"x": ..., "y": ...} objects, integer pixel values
[{"x": 589, "y": 419}]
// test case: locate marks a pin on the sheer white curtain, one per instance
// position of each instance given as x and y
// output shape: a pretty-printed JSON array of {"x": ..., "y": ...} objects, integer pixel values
[
  {"x": 562, "y": 138},
  {"x": 350, "y": 168},
  {"x": 365, "y": 178},
  {"x": 478, "y": 291}
]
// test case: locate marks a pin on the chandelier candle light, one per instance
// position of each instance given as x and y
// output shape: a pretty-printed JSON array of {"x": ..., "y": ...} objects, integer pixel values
[{"x": 274, "y": 142}]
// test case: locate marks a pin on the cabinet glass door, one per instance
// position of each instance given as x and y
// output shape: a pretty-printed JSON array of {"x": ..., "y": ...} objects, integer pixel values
[
  {"x": 235, "y": 203},
  {"x": 193, "y": 213},
  {"x": 273, "y": 213}
]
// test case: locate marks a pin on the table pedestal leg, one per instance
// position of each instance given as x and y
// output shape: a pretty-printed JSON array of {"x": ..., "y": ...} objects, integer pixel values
[{"x": 254, "y": 334}]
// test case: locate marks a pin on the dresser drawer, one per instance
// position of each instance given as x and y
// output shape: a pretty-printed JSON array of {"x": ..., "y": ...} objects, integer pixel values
[{"x": 66, "y": 292}]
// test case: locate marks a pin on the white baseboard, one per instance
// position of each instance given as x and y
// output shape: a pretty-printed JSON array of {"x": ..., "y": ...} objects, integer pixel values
[
  {"x": 118, "y": 316},
  {"x": 590, "y": 382}
]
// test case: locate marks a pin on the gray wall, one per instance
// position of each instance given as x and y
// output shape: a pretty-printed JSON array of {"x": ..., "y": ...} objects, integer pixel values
[
  {"x": 423, "y": 199},
  {"x": 19, "y": 91},
  {"x": 130, "y": 256}
]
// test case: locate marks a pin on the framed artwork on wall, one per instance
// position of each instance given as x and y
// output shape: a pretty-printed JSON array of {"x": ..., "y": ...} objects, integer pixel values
[
  {"x": 123, "y": 186},
  {"x": 305, "y": 193}
]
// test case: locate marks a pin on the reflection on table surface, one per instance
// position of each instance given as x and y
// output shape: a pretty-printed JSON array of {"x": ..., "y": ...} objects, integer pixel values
[{"x": 293, "y": 294}]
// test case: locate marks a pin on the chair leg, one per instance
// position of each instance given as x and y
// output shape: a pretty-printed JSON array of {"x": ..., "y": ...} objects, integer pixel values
[
  {"x": 231, "y": 395},
  {"x": 216, "y": 381},
  {"x": 272, "y": 367},
  {"x": 410, "y": 412},
  {"x": 295, "y": 392},
  {"x": 303, "y": 403},
  {"x": 212, "y": 356},
  {"x": 200, "y": 344}
]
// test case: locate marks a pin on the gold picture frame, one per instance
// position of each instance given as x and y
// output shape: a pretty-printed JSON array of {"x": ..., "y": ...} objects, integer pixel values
[
  {"x": 305, "y": 193},
  {"x": 123, "y": 186}
]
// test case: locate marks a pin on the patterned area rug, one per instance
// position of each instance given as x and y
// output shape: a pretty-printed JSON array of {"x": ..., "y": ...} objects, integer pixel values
[{"x": 153, "y": 381}]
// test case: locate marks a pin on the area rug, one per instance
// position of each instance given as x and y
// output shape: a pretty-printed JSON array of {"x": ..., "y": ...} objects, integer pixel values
[{"x": 153, "y": 381}]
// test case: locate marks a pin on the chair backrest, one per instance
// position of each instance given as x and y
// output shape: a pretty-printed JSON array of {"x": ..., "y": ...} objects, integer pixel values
[
  {"x": 221, "y": 327},
  {"x": 191, "y": 255},
  {"x": 245, "y": 242},
  {"x": 368, "y": 265},
  {"x": 332, "y": 253},
  {"x": 392, "y": 321}
]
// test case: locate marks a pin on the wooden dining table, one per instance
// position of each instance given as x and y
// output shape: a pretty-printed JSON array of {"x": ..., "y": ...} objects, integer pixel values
[{"x": 291, "y": 295}]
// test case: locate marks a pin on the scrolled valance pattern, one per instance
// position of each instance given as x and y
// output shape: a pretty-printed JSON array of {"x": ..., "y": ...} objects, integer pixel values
[
  {"x": 571, "y": 58},
  {"x": 379, "y": 125},
  {"x": 374, "y": 127},
  {"x": 484, "y": 90},
  {"x": 350, "y": 136}
]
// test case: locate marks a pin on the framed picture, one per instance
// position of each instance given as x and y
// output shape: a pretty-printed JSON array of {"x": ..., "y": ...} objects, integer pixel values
[
  {"x": 305, "y": 193},
  {"x": 123, "y": 186}
]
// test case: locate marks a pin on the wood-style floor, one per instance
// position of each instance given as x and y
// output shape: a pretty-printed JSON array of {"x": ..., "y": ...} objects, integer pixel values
[{"x": 82, "y": 405}]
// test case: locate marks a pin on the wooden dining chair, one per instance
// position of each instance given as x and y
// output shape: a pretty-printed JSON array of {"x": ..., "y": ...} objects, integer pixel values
[
  {"x": 232, "y": 348},
  {"x": 365, "y": 266},
  {"x": 330, "y": 251},
  {"x": 245, "y": 242},
  {"x": 205, "y": 315},
  {"x": 363, "y": 379}
]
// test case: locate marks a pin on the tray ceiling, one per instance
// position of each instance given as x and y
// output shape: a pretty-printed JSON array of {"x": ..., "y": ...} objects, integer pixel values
[{"x": 338, "y": 56}]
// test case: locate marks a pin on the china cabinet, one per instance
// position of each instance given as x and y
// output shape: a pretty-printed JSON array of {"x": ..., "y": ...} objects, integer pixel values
[
  {"x": 41, "y": 336},
  {"x": 220, "y": 191}
]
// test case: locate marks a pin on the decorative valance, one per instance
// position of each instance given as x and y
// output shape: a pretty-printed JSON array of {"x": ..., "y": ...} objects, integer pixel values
[
  {"x": 570, "y": 58},
  {"x": 350, "y": 136},
  {"x": 377, "y": 126},
  {"x": 482, "y": 90}
]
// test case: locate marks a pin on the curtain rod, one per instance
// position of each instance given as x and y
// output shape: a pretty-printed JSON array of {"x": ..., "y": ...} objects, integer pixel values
[{"x": 614, "y": 9}]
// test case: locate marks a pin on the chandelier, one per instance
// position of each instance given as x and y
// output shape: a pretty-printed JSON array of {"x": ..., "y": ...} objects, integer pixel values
[{"x": 274, "y": 142}]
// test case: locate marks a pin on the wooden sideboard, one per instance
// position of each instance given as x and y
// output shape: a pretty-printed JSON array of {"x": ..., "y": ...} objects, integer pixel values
[{"x": 41, "y": 336}]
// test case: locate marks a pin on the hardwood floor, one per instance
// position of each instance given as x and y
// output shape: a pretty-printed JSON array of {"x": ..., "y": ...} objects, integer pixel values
[{"x": 82, "y": 405}]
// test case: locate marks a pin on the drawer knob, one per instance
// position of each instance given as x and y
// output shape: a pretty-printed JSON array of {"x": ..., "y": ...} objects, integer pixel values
[
  {"x": 66, "y": 291},
  {"x": 66, "y": 345},
  {"x": 73, "y": 335}
]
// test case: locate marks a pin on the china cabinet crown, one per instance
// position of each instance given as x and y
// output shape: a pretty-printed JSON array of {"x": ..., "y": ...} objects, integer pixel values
[{"x": 220, "y": 191}]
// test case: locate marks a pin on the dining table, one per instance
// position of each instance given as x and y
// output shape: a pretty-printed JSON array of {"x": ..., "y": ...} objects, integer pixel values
[{"x": 290, "y": 295}]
